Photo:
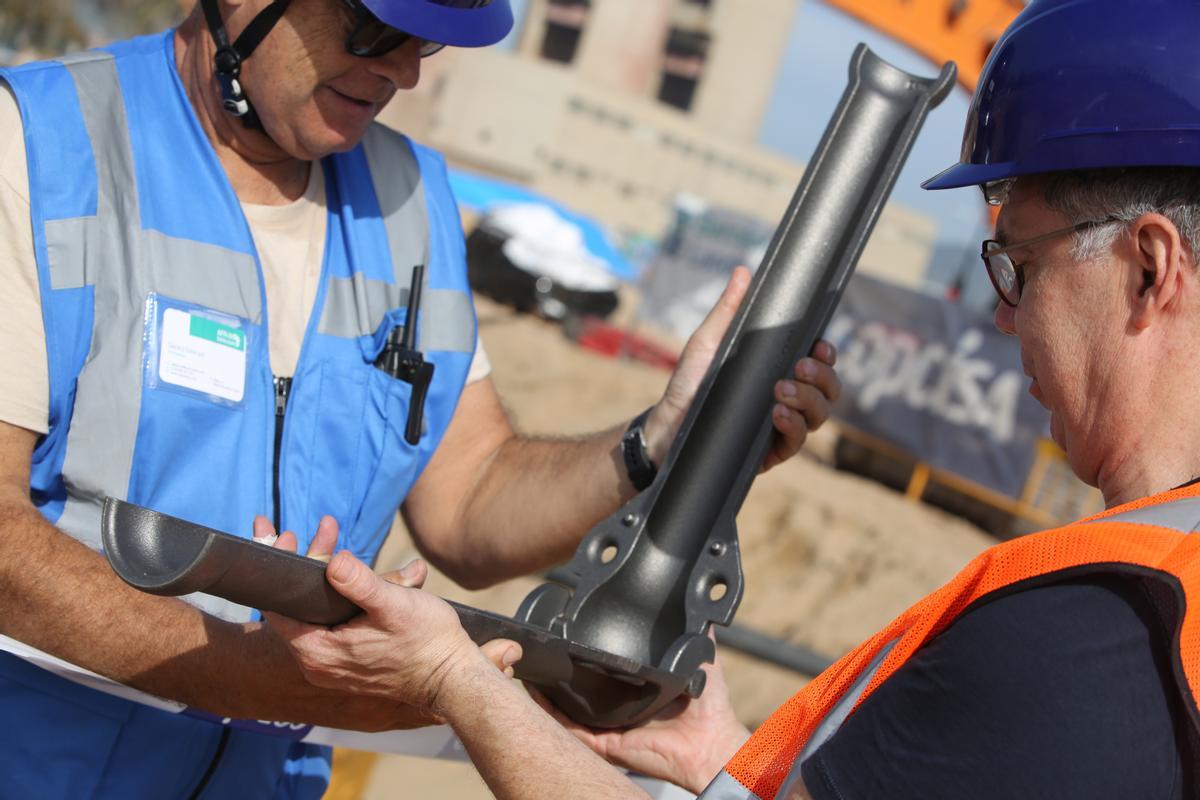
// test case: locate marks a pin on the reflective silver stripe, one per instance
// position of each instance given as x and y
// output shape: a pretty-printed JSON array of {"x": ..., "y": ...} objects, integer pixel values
[
  {"x": 726, "y": 787},
  {"x": 66, "y": 240},
  {"x": 401, "y": 199},
  {"x": 837, "y": 715},
  {"x": 111, "y": 252},
  {"x": 100, "y": 102},
  {"x": 223, "y": 609},
  {"x": 1183, "y": 515},
  {"x": 355, "y": 306},
  {"x": 201, "y": 273},
  {"x": 103, "y": 111},
  {"x": 449, "y": 323},
  {"x": 104, "y": 422}
]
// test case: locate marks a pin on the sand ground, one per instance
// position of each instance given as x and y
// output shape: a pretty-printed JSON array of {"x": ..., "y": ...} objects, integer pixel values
[{"x": 829, "y": 558}]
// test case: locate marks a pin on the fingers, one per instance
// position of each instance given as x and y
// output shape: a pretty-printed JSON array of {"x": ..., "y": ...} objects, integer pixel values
[
  {"x": 324, "y": 540},
  {"x": 320, "y": 548},
  {"x": 503, "y": 653},
  {"x": 412, "y": 575},
  {"x": 803, "y": 402},
  {"x": 263, "y": 530},
  {"x": 289, "y": 629},
  {"x": 694, "y": 361},
  {"x": 713, "y": 328},
  {"x": 355, "y": 581},
  {"x": 824, "y": 351}
]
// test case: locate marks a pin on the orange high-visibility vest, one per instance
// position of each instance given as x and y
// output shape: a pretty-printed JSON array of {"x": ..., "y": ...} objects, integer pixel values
[{"x": 1147, "y": 538}]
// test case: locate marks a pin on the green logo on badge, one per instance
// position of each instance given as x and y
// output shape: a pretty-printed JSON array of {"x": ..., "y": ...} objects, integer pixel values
[{"x": 204, "y": 328}]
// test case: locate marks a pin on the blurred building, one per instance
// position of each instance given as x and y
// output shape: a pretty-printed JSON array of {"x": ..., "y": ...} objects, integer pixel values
[{"x": 616, "y": 108}]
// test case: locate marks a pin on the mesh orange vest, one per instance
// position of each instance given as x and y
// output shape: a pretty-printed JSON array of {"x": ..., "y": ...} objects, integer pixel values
[{"x": 1147, "y": 538}]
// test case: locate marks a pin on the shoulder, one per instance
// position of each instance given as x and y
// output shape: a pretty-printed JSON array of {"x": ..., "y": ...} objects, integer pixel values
[
  {"x": 1065, "y": 689},
  {"x": 13, "y": 168}
]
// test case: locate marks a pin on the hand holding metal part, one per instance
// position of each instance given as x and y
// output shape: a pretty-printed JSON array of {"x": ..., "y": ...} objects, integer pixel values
[
  {"x": 676, "y": 568},
  {"x": 630, "y": 636}
]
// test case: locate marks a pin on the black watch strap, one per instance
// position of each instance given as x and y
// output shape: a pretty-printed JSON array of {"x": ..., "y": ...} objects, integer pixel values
[{"x": 638, "y": 465}]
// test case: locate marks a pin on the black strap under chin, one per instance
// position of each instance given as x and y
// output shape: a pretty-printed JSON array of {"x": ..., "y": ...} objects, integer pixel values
[{"x": 228, "y": 60}]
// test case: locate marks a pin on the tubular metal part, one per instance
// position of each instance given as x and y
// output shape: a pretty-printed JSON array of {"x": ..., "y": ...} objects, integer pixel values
[{"x": 652, "y": 578}]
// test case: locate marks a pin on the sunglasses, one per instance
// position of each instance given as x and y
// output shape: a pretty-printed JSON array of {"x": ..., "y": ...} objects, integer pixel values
[
  {"x": 1009, "y": 278},
  {"x": 371, "y": 37}
]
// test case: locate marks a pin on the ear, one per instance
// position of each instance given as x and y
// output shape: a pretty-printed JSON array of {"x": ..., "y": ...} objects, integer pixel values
[{"x": 1162, "y": 265}]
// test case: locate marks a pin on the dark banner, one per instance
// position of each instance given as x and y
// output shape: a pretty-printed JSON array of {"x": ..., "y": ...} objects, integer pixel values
[{"x": 937, "y": 380}]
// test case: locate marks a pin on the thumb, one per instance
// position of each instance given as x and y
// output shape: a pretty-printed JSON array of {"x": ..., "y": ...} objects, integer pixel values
[
  {"x": 503, "y": 653},
  {"x": 355, "y": 581},
  {"x": 717, "y": 322},
  {"x": 412, "y": 574}
]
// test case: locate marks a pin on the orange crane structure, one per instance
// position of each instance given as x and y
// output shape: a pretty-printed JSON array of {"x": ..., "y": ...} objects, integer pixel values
[{"x": 963, "y": 31}]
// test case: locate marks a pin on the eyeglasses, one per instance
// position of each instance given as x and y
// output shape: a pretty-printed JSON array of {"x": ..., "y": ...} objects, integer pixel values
[
  {"x": 1009, "y": 278},
  {"x": 371, "y": 37}
]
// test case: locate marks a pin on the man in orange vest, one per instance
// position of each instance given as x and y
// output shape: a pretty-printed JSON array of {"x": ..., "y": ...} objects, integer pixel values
[{"x": 1063, "y": 664}]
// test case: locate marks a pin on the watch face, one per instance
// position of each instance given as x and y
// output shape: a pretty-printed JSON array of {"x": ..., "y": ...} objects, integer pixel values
[{"x": 638, "y": 465}]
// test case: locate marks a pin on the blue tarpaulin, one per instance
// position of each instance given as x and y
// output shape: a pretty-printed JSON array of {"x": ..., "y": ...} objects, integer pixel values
[{"x": 480, "y": 194}]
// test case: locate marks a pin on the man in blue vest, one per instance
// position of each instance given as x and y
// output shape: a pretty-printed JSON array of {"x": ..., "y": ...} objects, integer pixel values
[{"x": 208, "y": 249}]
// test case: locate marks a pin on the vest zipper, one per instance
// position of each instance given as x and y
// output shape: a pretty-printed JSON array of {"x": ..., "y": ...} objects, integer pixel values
[
  {"x": 212, "y": 765},
  {"x": 283, "y": 388}
]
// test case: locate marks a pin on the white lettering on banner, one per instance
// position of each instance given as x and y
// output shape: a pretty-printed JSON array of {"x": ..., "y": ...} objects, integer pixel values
[
  {"x": 881, "y": 362},
  {"x": 293, "y": 726}
]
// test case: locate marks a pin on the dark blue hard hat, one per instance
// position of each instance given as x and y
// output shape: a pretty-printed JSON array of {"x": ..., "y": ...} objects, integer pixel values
[
  {"x": 461, "y": 23},
  {"x": 1082, "y": 84}
]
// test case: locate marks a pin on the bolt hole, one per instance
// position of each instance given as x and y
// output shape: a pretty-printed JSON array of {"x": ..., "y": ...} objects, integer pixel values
[
  {"x": 608, "y": 554},
  {"x": 716, "y": 592}
]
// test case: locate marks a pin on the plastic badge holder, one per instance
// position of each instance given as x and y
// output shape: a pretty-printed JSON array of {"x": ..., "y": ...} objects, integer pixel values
[{"x": 164, "y": 555}]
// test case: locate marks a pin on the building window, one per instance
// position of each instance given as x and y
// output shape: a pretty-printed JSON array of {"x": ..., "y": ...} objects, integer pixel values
[
  {"x": 683, "y": 65},
  {"x": 565, "y": 20}
]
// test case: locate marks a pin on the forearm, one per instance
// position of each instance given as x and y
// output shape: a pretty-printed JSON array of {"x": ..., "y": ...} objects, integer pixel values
[
  {"x": 59, "y": 596},
  {"x": 539, "y": 497},
  {"x": 519, "y": 750}
]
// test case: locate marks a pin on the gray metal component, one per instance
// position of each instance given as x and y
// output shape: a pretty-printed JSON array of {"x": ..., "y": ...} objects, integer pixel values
[
  {"x": 676, "y": 568},
  {"x": 772, "y": 649},
  {"x": 163, "y": 555}
]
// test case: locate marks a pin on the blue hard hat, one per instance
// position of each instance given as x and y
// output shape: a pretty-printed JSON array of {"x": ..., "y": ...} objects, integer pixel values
[
  {"x": 1084, "y": 84},
  {"x": 461, "y": 23}
]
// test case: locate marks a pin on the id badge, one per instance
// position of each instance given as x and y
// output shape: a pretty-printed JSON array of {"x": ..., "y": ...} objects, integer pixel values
[{"x": 196, "y": 351}]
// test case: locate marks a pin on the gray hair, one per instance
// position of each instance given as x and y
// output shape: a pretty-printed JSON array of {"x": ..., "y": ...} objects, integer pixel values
[{"x": 1124, "y": 194}]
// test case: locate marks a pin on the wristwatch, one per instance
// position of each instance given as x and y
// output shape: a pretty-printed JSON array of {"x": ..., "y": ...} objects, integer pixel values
[{"x": 638, "y": 465}]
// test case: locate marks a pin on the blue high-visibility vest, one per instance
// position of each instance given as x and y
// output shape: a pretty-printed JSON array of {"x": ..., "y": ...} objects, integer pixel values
[{"x": 161, "y": 391}]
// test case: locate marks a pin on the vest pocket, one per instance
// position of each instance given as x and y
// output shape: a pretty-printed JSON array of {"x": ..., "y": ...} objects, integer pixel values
[
  {"x": 389, "y": 464},
  {"x": 347, "y": 432}
]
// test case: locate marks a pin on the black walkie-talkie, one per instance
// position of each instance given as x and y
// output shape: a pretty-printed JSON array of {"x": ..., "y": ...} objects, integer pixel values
[{"x": 401, "y": 359}]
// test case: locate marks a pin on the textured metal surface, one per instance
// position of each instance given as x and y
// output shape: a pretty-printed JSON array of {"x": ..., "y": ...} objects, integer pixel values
[
  {"x": 677, "y": 569},
  {"x": 164, "y": 555}
]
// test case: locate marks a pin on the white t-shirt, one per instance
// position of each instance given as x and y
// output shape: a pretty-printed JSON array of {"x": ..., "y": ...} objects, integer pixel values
[{"x": 290, "y": 240}]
